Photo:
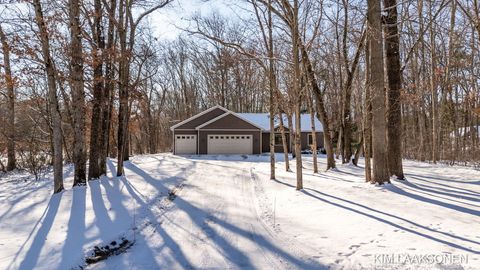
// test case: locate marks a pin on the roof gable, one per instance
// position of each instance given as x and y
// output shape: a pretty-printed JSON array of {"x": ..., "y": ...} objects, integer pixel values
[
  {"x": 229, "y": 120},
  {"x": 200, "y": 118}
]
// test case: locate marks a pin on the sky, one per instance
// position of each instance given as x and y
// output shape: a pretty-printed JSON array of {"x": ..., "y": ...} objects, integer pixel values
[{"x": 167, "y": 21}]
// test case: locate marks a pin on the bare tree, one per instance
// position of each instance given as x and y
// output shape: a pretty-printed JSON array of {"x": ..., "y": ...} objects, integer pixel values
[
  {"x": 10, "y": 85},
  {"x": 313, "y": 146},
  {"x": 52, "y": 98},
  {"x": 367, "y": 117},
  {"x": 379, "y": 144},
  {"x": 127, "y": 26},
  {"x": 96, "y": 131},
  {"x": 394, "y": 113},
  {"x": 78, "y": 94}
]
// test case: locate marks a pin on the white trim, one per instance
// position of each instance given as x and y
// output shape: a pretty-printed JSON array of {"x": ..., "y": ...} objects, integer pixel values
[
  {"x": 197, "y": 115},
  {"x": 225, "y": 114}
]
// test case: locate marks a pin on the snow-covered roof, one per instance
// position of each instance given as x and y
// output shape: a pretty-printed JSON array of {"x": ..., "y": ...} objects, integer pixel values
[{"x": 263, "y": 120}]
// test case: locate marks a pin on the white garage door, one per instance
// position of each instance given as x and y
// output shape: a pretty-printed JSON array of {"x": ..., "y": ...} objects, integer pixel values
[
  {"x": 185, "y": 144},
  {"x": 230, "y": 144}
]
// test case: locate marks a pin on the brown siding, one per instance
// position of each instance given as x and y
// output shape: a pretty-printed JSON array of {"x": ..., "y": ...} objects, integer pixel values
[
  {"x": 203, "y": 139},
  {"x": 266, "y": 143},
  {"x": 305, "y": 145},
  {"x": 230, "y": 122},
  {"x": 184, "y": 132},
  {"x": 192, "y": 124}
]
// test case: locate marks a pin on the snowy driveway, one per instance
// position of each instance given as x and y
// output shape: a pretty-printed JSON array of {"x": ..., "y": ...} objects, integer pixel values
[{"x": 211, "y": 224}]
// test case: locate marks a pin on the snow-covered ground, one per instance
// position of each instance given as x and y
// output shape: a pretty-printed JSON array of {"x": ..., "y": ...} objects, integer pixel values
[{"x": 224, "y": 212}]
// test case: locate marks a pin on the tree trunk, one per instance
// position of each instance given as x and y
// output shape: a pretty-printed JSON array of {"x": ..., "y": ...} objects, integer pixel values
[
  {"x": 108, "y": 92},
  {"x": 367, "y": 117},
  {"x": 358, "y": 151},
  {"x": 394, "y": 114},
  {"x": 422, "y": 127},
  {"x": 94, "y": 168},
  {"x": 379, "y": 144},
  {"x": 9, "y": 81},
  {"x": 52, "y": 99},
  {"x": 284, "y": 141},
  {"x": 321, "y": 112},
  {"x": 450, "y": 86},
  {"x": 297, "y": 93},
  {"x": 433, "y": 90},
  {"x": 123, "y": 80},
  {"x": 314, "y": 133},
  {"x": 272, "y": 86},
  {"x": 292, "y": 133},
  {"x": 78, "y": 94}
]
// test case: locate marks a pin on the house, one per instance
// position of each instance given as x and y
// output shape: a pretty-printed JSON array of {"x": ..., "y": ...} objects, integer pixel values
[{"x": 220, "y": 131}]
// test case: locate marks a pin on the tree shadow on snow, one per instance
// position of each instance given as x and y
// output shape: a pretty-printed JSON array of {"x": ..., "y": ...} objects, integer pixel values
[
  {"x": 448, "y": 179},
  {"x": 73, "y": 246},
  {"x": 438, "y": 185},
  {"x": 45, "y": 222},
  {"x": 201, "y": 218},
  {"x": 231, "y": 252},
  {"x": 23, "y": 190},
  {"x": 348, "y": 205},
  {"x": 441, "y": 193},
  {"x": 424, "y": 199},
  {"x": 152, "y": 218}
]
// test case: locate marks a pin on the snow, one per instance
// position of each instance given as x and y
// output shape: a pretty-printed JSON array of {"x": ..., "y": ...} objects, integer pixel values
[
  {"x": 466, "y": 130},
  {"x": 263, "y": 120},
  {"x": 348, "y": 222},
  {"x": 224, "y": 212}
]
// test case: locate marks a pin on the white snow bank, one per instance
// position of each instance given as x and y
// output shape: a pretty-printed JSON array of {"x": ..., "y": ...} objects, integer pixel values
[
  {"x": 350, "y": 224},
  {"x": 41, "y": 231}
]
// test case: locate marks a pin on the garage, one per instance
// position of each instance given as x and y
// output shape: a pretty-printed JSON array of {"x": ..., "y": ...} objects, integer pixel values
[
  {"x": 185, "y": 144},
  {"x": 230, "y": 144}
]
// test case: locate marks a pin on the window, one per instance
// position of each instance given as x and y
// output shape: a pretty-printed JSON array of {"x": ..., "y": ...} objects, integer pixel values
[
  {"x": 183, "y": 137},
  {"x": 278, "y": 139}
]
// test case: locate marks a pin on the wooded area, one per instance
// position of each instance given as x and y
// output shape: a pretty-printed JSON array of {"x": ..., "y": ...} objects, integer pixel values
[{"x": 86, "y": 80}]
